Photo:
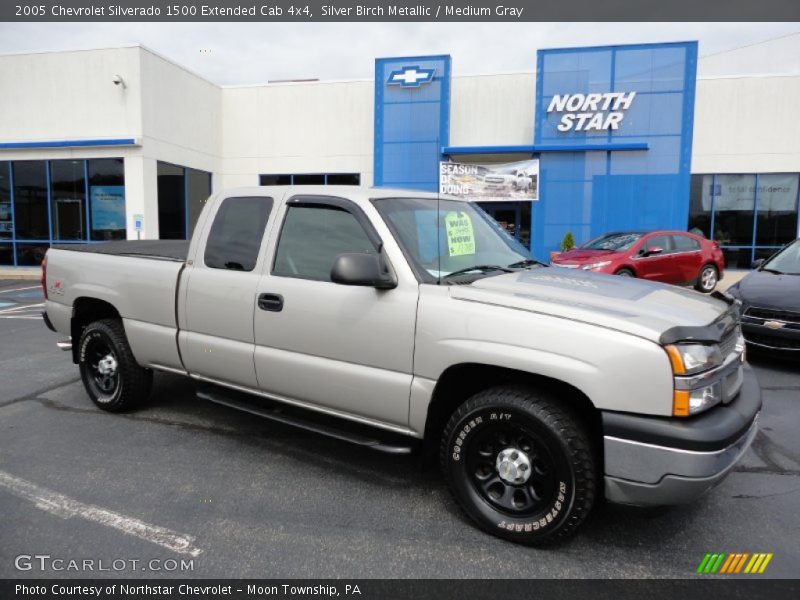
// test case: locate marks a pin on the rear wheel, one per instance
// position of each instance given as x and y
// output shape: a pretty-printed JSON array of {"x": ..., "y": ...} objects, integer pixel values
[
  {"x": 519, "y": 464},
  {"x": 110, "y": 373},
  {"x": 625, "y": 273},
  {"x": 707, "y": 279}
]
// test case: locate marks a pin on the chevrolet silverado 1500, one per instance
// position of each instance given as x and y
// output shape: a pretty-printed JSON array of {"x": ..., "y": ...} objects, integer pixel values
[{"x": 398, "y": 320}]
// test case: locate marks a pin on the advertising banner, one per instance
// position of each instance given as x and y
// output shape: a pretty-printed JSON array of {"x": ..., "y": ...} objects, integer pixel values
[
  {"x": 496, "y": 182},
  {"x": 108, "y": 207}
]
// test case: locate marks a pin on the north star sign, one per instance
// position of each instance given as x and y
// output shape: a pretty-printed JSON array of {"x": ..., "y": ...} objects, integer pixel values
[
  {"x": 410, "y": 77},
  {"x": 591, "y": 112}
]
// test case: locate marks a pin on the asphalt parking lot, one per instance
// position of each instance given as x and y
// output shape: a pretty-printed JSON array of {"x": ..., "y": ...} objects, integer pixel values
[{"x": 238, "y": 496}]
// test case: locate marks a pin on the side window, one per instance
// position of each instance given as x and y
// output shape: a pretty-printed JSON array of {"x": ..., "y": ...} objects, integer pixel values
[
  {"x": 659, "y": 241},
  {"x": 313, "y": 236},
  {"x": 683, "y": 243},
  {"x": 236, "y": 233}
]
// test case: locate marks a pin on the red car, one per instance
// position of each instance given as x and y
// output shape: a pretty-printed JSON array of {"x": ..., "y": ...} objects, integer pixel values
[{"x": 669, "y": 256}]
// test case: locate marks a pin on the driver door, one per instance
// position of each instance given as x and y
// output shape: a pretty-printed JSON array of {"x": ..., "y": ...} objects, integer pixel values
[{"x": 348, "y": 349}]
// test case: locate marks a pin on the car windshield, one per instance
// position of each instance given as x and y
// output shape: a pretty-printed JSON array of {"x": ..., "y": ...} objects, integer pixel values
[
  {"x": 613, "y": 241},
  {"x": 786, "y": 261},
  {"x": 462, "y": 236}
]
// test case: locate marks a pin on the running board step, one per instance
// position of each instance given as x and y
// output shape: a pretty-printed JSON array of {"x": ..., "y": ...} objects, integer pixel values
[{"x": 233, "y": 399}]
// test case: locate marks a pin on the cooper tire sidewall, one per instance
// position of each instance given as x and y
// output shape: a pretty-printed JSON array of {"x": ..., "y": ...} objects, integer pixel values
[{"x": 539, "y": 525}]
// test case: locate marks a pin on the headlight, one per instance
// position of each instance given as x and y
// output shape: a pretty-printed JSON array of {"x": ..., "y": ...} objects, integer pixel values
[
  {"x": 596, "y": 265},
  {"x": 690, "y": 359}
]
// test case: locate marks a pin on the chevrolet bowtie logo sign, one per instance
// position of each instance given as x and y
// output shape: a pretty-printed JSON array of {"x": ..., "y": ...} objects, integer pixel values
[{"x": 410, "y": 77}]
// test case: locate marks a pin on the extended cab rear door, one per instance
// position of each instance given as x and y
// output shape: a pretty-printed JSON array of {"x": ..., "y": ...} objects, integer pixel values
[
  {"x": 348, "y": 349},
  {"x": 219, "y": 298}
]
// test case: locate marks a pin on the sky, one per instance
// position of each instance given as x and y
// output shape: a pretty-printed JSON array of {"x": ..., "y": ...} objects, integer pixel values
[{"x": 252, "y": 53}]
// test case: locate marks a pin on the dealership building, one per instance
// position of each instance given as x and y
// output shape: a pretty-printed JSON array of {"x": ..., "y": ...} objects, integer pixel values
[{"x": 121, "y": 143}]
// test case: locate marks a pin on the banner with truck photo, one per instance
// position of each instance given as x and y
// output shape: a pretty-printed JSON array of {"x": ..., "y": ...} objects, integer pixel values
[{"x": 495, "y": 182}]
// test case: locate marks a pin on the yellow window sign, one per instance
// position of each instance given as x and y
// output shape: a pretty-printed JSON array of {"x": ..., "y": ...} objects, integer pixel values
[{"x": 460, "y": 237}]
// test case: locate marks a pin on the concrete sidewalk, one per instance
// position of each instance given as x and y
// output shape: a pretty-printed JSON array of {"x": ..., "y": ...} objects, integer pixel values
[{"x": 24, "y": 273}]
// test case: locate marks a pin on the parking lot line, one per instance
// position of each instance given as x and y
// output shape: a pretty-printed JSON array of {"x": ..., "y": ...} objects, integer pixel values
[
  {"x": 66, "y": 507},
  {"x": 32, "y": 287},
  {"x": 21, "y": 307}
]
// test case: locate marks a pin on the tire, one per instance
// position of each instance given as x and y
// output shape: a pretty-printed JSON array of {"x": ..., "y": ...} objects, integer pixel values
[
  {"x": 707, "y": 279},
  {"x": 547, "y": 486},
  {"x": 625, "y": 273},
  {"x": 110, "y": 374}
]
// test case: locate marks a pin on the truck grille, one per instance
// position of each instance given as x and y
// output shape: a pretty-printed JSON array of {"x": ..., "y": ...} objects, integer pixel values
[
  {"x": 774, "y": 342},
  {"x": 728, "y": 343}
]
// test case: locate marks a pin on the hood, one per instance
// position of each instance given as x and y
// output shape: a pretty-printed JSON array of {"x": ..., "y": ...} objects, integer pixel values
[
  {"x": 768, "y": 290},
  {"x": 584, "y": 255},
  {"x": 642, "y": 308}
]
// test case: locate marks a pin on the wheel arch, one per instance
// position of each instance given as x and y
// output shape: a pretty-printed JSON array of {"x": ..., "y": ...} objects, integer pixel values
[
  {"x": 86, "y": 310},
  {"x": 461, "y": 381}
]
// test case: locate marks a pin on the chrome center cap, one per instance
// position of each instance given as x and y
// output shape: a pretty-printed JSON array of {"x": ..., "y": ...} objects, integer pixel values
[
  {"x": 513, "y": 466},
  {"x": 107, "y": 365}
]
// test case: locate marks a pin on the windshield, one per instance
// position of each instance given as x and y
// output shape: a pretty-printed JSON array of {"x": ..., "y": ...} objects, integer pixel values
[
  {"x": 463, "y": 236},
  {"x": 786, "y": 261},
  {"x": 613, "y": 241}
]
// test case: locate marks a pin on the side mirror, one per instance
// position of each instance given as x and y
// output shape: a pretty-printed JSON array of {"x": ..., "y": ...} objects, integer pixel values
[
  {"x": 654, "y": 250},
  {"x": 368, "y": 270},
  {"x": 756, "y": 264}
]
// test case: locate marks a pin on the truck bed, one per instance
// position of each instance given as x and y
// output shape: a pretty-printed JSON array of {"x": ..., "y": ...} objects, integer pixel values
[{"x": 172, "y": 250}]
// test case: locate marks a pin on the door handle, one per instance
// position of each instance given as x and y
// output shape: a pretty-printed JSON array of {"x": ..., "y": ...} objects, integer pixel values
[{"x": 270, "y": 302}]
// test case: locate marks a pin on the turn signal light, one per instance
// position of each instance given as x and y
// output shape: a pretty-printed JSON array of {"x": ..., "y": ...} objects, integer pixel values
[{"x": 680, "y": 403}]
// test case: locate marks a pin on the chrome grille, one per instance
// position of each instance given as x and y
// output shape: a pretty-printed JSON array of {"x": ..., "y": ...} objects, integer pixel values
[
  {"x": 766, "y": 314},
  {"x": 728, "y": 343}
]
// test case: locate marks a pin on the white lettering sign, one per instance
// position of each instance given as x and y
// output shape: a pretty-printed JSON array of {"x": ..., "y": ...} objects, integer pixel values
[{"x": 591, "y": 112}]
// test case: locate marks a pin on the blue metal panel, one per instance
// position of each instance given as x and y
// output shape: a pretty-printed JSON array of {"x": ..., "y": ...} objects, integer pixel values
[
  {"x": 534, "y": 149},
  {"x": 412, "y": 122},
  {"x": 589, "y": 187},
  {"x": 68, "y": 143}
]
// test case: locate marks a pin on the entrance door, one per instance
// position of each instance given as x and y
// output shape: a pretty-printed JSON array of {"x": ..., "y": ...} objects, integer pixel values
[{"x": 514, "y": 217}]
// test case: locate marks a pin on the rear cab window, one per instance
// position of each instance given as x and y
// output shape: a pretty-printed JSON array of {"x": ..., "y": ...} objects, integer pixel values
[{"x": 236, "y": 233}]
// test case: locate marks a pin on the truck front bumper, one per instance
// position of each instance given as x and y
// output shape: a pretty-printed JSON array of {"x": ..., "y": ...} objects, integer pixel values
[{"x": 652, "y": 461}]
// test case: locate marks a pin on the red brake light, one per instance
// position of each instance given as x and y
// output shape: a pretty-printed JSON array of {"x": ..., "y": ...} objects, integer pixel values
[{"x": 43, "y": 280}]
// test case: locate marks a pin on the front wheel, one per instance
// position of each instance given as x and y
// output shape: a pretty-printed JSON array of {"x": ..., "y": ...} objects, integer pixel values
[
  {"x": 625, "y": 273},
  {"x": 707, "y": 279},
  {"x": 520, "y": 464},
  {"x": 110, "y": 373}
]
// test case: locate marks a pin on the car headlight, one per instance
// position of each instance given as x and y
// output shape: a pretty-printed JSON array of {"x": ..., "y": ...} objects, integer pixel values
[
  {"x": 690, "y": 359},
  {"x": 596, "y": 265}
]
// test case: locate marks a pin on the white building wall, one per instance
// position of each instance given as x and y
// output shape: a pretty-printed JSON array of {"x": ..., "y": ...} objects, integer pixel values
[
  {"x": 747, "y": 125},
  {"x": 70, "y": 95},
  {"x": 313, "y": 127},
  {"x": 492, "y": 110}
]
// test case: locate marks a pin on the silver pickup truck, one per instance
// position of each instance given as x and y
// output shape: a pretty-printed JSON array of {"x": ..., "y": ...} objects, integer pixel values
[{"x": 402, "y": 321}]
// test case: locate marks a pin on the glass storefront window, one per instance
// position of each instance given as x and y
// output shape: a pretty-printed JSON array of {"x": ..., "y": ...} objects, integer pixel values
[
  {"x": 68, "y": 196},
  {"x": 30, "y": 200},
  {"x": 107, "y": 198},
  {"x": 31, "y": 254},
  {"x": 6, "y": 254},
  {"x": 182, "y": 193},
  {"x": 777, "y": 209},
  {"x": 734, "y": 201},
  {"x": 700, "y": 204},
  {"x": 198, "y": 189},
  {"x": 752, "y": 216},
  {"x": 6, "y": 222}
]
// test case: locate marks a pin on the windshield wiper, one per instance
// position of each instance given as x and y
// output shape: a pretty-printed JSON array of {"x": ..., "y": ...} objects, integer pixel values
[
  {"x": 482, "y": 268},
  {"x": 773, "y": 271},
  {"x": 528, "y": 262}
]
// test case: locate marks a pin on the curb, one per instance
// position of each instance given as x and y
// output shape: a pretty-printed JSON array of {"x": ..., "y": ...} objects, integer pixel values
[{"x": 24, "y": 274}]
